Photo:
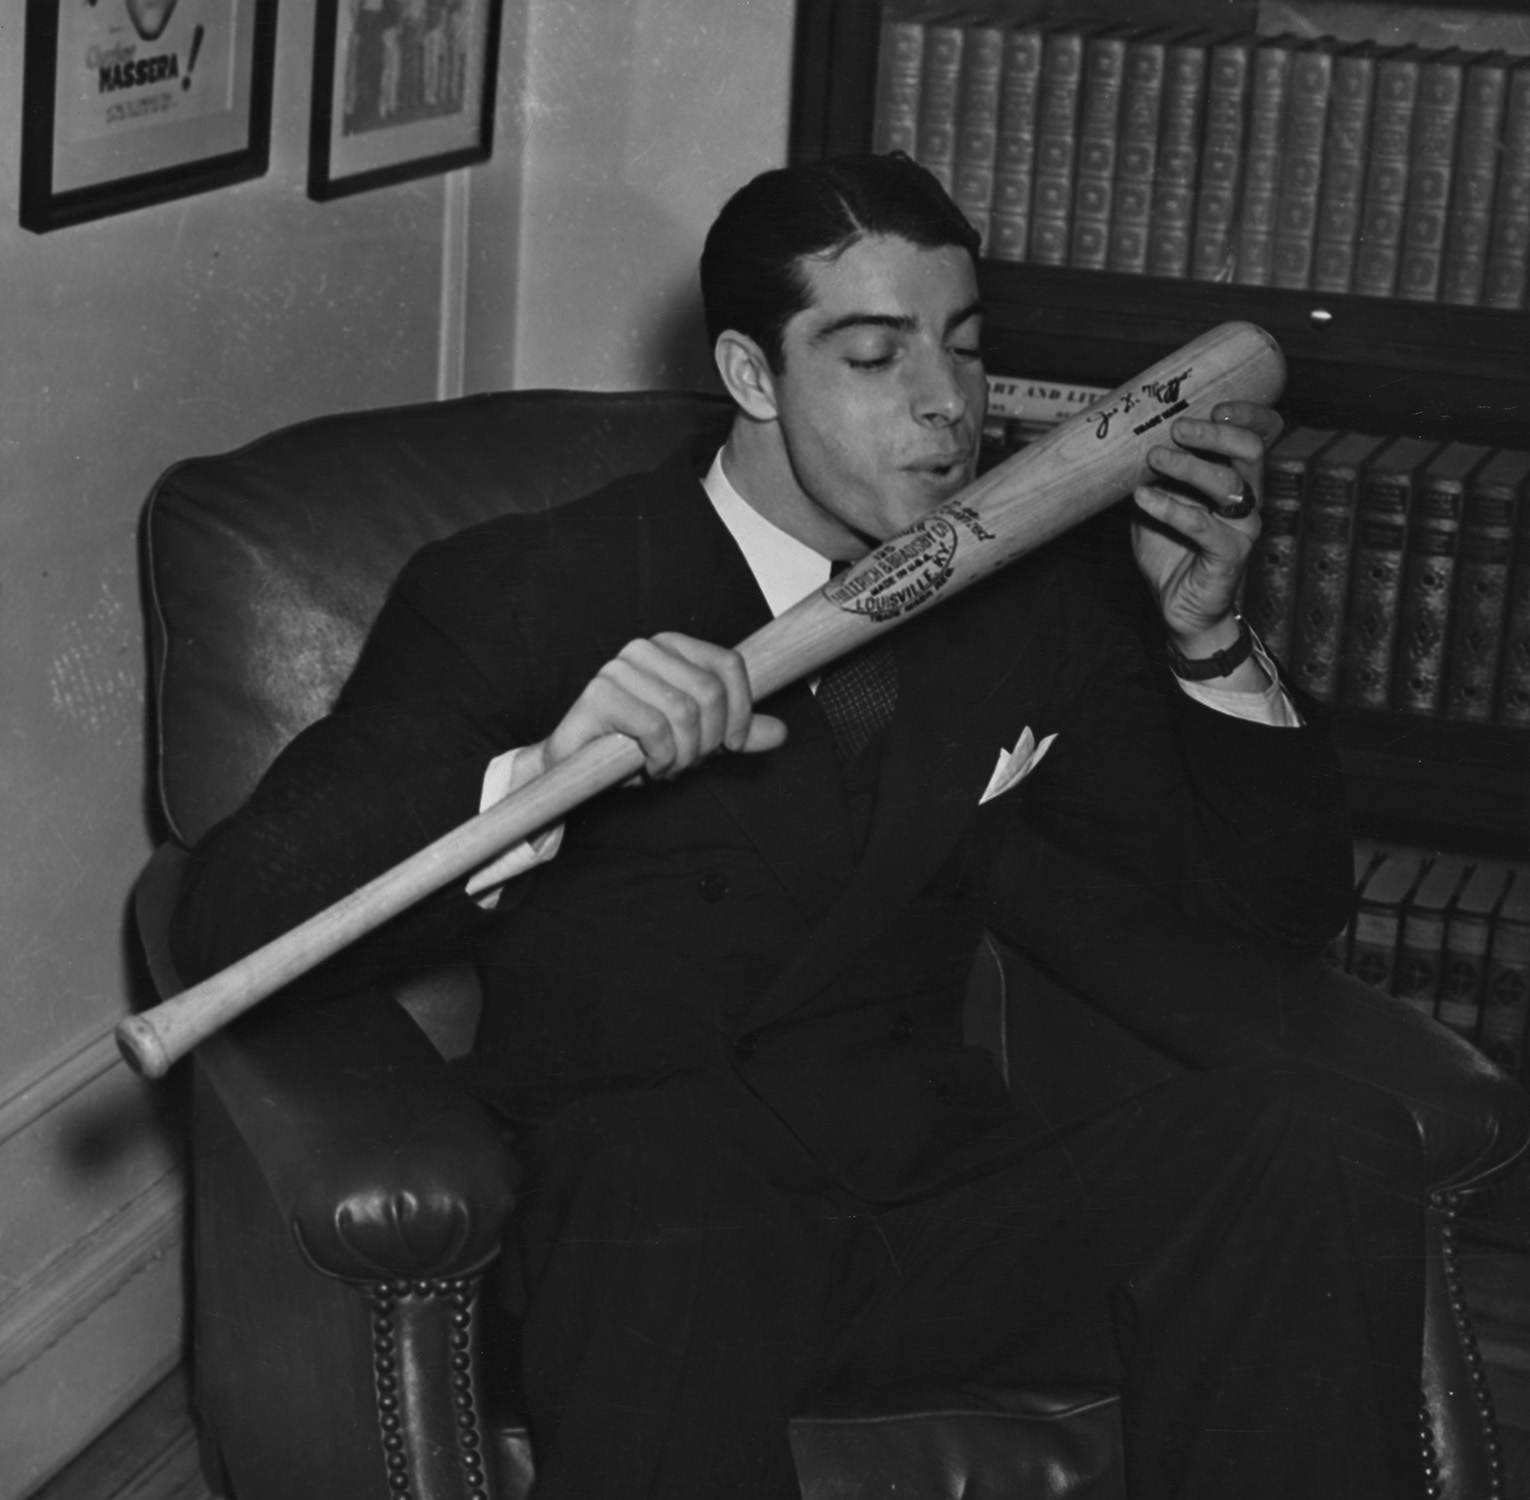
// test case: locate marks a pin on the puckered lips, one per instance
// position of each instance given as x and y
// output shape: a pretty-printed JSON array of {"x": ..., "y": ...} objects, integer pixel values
[{"x": 946, "y": 473}]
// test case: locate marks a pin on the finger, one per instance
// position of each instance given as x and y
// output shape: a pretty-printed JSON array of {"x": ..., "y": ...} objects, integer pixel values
[
  {"x": 765, "y": 732},
  {"x": 1265, "y": 421},
  {"x": 1235, "y": 443},
  {"x": 727, "y": 668},
  {"x": 1211, "y": 535},
  {"x": 692, "y": 698},
  {"x": 618, "y": 701},
  {"x": 1226, "y": 490}
]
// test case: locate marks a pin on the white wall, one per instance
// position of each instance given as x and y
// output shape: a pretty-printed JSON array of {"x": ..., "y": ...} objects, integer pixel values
[
  {"x": 639, "y": 118},
  {"x": 125, "y": 344}
]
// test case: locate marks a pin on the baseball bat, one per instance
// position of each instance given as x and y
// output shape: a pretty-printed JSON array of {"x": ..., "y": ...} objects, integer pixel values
[{"x": 1078, "y": 469}]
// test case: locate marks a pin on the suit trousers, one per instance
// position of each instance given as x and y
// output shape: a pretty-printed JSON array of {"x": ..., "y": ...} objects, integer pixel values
[{"x": 1238, "y": 1252}]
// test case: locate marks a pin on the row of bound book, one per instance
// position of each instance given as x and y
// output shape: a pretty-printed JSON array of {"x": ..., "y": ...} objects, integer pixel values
[
  {"x": 1449, "y": 936},
  {"x": 1186, "y": 151},
  {"x": 1390, "y": 573}
]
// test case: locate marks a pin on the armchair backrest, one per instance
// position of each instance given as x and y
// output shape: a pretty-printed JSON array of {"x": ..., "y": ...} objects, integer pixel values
[{"x": 265, "y": 567}]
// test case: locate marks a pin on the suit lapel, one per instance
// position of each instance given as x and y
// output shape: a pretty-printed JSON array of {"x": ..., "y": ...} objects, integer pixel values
[{"x": 692, "y": 577}]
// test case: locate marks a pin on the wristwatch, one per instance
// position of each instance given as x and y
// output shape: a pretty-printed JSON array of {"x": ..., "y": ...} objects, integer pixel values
[{"x": 1219, "y": 663}]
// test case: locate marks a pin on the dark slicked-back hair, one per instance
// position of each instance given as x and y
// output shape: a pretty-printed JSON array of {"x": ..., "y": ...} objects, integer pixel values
[{"x": 751, "y": 267}]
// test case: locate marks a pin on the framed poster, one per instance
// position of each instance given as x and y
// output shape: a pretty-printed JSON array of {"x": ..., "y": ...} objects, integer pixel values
[
  {"x": 401, "y": 89},
  {"x": 132, "y": 102}
]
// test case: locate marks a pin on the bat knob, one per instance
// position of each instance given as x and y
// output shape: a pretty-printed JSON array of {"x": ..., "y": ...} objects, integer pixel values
[{"x": 141, "y": 1048}]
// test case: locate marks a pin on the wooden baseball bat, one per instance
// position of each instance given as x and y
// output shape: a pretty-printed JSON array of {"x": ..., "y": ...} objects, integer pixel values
[{"x": 1076, "y": 470}]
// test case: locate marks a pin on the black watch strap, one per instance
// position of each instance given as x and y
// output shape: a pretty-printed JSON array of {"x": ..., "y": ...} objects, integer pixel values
[{"x": 1220, "y": 663}]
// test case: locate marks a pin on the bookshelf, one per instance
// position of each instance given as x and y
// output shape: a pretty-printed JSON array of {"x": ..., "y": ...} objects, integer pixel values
[{"x": 1357, "y": 363}]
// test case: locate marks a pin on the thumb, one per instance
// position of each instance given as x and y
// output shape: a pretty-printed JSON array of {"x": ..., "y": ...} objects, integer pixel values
[{"x": 765, "y": 733}]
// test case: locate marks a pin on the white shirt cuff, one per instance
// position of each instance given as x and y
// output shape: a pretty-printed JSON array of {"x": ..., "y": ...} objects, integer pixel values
[
  {"x": 508, "y": 773},
  {"x": 1272, "y": 706}
]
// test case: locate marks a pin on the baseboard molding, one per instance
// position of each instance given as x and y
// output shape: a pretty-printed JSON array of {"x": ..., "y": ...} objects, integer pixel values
[
  {"x": 85, "y": 1380},
  {"x": 75, "y": 1284},
  {"x": 57, "y": 1080}
]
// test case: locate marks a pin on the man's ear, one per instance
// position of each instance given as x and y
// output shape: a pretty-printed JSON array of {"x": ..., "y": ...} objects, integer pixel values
[{"x": 746, "y": 373}]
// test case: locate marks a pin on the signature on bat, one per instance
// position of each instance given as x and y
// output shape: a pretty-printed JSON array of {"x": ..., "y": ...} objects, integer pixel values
[{"x": 1166, "y": 393}]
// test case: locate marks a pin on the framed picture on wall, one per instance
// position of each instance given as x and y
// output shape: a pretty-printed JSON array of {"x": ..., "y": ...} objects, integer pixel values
[
  {"x": 401, "y": 89},
  {"x": 132, "y": 102}
]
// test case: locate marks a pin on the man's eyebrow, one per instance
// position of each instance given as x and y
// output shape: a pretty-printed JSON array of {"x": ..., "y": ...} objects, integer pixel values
[
  {"x": 973, "y": 309},
  {"x": 899, "y": 323}
]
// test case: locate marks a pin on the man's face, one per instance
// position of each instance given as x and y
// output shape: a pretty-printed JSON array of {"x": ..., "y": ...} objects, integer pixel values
[
  {"x": 150, "y": 16},
  {"x": 881, "y": 394}
]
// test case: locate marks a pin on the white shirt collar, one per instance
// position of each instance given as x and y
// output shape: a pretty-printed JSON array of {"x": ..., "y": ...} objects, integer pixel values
[{"x": 785, "y": 569}]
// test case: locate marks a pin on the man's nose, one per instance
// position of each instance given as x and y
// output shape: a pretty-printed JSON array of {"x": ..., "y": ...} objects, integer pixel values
[{"x": 939, "y": 395}]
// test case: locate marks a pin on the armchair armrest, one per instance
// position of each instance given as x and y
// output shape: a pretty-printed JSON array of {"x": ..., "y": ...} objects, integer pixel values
[
  {"x": 1473, "y": 1118},
  {"x": 383, "y": 1165},
  {"x": 1206, "y": 996}
]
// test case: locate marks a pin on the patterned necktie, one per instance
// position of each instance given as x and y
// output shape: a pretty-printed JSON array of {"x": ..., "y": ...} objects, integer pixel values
[{"x": 858, "y": 694}]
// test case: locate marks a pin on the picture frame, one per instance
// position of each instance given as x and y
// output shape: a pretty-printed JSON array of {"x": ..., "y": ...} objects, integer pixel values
[
  {"x": 127, "y": 103},
  {"x": 401, "y": 89}
]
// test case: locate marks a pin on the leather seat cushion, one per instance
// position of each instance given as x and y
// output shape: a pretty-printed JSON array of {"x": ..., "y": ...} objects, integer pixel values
[{"x": 1053, "y": 1444}]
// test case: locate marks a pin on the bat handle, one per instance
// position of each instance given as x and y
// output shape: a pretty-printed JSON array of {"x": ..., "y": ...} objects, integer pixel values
[{"x": 153, "y": 1040}]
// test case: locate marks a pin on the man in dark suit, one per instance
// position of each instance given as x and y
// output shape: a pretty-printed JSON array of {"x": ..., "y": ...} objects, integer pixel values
[{"x": 760, "y": 1162}]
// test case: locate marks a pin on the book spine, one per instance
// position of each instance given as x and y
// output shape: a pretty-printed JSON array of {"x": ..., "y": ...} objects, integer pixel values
[
  {"x": 1429, "y": 566},
  {"x": 1509, "y": 237},
  {"x": 1481, "y": 605},
  {"x": 977, "y": 125},
  {"x": 900, "y": 66},
  {"x": 1322, "y": 583},
  {"x": 1261, "y": 165},
  {"x": 1381, "y": 526},
  {"x": 1301, "y": 170},
  {"x": 1137, "y": 159},
  {"x": 1179, "y": 159},
  {"x": 1386, "y": 180},
  {"x": 1514, "y": 684},
  {"x": 1336, "y": 952},
  {"x": 938, "y": 91},
  {"x": 1344, "y": 157},
  {"x": 1099, "y": 124},
  {"x": 1056, "y": 147},
  {"x": 1465, "y": 969},
  {"x": 1506, "y": 995},
  {"x": 1420, "y": 951},
  {"x": 1436, "y": 122},
  {"x": 1221, "y": 162},
  {"x": 1271, "y": 605},
  {"x": 1374, "y": 950},
  {"x": 1471, "y": 208},
  {"x": 1015, "y": 149}
]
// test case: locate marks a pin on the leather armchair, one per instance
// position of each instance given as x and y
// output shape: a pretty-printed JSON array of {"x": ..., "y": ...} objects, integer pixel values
[{"x": 350, "y": 1195}]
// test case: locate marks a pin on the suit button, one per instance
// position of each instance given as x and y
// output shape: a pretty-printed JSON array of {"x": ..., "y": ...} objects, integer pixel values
[
  {"x": 901, "y": 1028},
  {"x": 743, "y": 1048},
  {"x": 714, "y": 886}
]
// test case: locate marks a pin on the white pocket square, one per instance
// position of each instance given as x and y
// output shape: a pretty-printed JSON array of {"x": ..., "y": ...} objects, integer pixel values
[{"x": 1015, "y": 765}]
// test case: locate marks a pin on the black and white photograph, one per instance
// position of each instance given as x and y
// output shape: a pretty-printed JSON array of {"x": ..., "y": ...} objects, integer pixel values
[{"x": 766, "y": 750}]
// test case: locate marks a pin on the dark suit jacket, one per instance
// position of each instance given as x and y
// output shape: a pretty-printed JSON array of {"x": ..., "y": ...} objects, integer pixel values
[{"x": 726, "y": 921}]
